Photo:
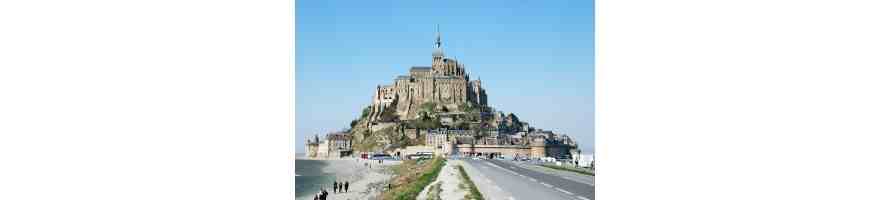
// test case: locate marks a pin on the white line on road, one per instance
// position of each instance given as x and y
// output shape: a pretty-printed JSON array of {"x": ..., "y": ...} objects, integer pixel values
[
  {"x": 564, "y": 191},
  {"x": 548, "y": 185},
  {"x": 583, "y": 198},
  {"x": 532, "y": 179}
]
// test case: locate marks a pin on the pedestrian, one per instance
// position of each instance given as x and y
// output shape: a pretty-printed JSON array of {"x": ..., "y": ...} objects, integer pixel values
[
  {"x": 335, "y": 187},
  {"x": 324, "y": 195},
  {"x": 346, "y": 186},
  {"x": 340, "y": 187}
]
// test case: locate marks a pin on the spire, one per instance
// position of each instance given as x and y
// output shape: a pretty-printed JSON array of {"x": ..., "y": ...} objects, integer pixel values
[
  {"x": 437, "y": 48},
  {"x": 438, "y": 37}
]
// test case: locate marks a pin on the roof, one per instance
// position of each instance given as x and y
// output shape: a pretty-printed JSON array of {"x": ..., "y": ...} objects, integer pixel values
[
  {"x": 338, "y": 136},
  {"x": 421, "y": 68}
]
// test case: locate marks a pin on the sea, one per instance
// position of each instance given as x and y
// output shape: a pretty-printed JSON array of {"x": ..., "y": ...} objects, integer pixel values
[{"x": 310, "y": 178}]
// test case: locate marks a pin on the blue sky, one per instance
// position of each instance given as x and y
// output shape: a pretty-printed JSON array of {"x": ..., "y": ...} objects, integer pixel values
[{"x": 535, "y": 58}]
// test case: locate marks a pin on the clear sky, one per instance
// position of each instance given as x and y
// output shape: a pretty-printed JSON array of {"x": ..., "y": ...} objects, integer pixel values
[{"x": 535, "y": 58}]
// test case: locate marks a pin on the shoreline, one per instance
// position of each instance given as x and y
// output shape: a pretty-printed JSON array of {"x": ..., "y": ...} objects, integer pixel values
[{"x": 364, "y": 182}]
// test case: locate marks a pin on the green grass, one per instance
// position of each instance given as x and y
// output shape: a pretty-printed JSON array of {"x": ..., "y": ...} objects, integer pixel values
[
  {"x": 474, "y": 192},
  {"x": 434, "y": 192},
  {"x": 571, "y": 169},
  {"x": 413, "y": 185}
]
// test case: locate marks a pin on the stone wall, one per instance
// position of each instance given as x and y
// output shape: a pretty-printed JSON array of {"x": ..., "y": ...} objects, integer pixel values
[{"x": 505, "y": 150}]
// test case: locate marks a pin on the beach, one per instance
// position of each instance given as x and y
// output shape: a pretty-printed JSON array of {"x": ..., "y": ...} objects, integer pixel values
[{"x": 364, "y": 182}]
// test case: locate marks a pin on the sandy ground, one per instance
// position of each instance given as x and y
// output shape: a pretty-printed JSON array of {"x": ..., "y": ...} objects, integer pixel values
[
  {"x": 451, "y": 180},
  {"x": 364, "y": 182}
]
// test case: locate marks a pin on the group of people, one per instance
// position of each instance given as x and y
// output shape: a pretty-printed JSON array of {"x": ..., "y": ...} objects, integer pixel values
[
  {"x": 341, "y": 186},
  {"x": 322, "y": 195},
  {"x": 338, "y": 187}
]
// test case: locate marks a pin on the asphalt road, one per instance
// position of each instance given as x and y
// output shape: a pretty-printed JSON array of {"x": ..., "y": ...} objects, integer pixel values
[
  {"x": 523, "y": 182},
  {"x": 581, "y": 178}
]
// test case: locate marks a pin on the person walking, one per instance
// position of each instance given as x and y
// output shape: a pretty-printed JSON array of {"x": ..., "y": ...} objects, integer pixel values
[
  {"x": 340, "y": 187},
  {"x": 335, "y": 187},
  {"x": 346, "y": 186}
]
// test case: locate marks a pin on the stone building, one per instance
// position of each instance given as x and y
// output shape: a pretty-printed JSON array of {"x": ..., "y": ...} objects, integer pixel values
[
  {"x": 312, "y": 147},
  {"x": 445, "y": 82},
  {"x": 334, "y": 145},
  {"x": 440, "y": 142}
]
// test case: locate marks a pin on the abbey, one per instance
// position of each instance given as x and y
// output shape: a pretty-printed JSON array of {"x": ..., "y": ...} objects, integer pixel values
[
  {"x": 437, "y": 109},
  {"x": 445, "y": 82}
]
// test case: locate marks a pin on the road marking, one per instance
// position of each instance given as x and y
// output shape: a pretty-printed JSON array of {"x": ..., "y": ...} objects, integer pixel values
[
  {"x": 511, "y": 198},
  {"x": 583, "y": 198},
  {"x": 545, "y": 184},
  {"x": 533, "y": 180},
  {"x": 564, "y": 191}
]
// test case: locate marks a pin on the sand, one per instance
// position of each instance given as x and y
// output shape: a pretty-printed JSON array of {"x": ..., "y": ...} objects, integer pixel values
[{"x": 364, "y": 182}]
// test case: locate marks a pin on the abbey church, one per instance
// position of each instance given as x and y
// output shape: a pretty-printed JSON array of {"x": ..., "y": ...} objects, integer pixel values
[{"x": 444, "y": 83}]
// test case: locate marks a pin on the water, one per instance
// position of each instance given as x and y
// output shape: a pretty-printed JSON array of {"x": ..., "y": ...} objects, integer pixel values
[{"x": 310, "y": 178}]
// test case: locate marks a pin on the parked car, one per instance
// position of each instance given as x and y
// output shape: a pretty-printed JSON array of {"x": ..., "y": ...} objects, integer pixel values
[
  {"x": 421, "y": 155},
  {"x": 381, "y": 157}
]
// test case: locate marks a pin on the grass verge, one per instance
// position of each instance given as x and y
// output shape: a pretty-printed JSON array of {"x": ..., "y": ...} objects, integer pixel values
[
  {"x": 414, "y": 175},
  {"x": 434, "y": 192},
  {"x": 580, "y": 171},
  {"x": 474, "y": 192}
]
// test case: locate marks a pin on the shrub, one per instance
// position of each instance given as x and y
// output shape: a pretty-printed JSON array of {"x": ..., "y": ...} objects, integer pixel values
[
  {"x": 366, "y": 112},
  {"x": 410, "y": 183}
]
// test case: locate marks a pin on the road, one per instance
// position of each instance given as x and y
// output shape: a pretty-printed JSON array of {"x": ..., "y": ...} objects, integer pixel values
[{"x": 521, "y": 181}]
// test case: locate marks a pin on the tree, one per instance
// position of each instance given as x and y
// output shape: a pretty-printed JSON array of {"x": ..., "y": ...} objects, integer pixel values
[
  {"x": 353, "y": 123},
  {"x": 428, "y": 106},
  {"x": 366, "y": 111}
]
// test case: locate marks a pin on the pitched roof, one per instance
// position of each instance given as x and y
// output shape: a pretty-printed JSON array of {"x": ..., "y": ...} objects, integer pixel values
[{"x": 421, "y": 68}]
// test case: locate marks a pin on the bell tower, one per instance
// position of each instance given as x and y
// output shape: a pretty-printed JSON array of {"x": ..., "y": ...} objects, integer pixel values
[{"x": 438, "y": 55}]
